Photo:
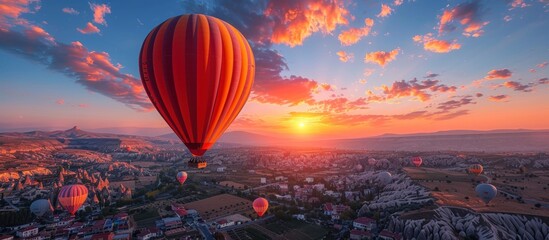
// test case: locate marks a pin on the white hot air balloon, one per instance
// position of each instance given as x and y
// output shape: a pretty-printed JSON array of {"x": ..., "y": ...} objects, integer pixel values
[{"x": 41, "y": 207}]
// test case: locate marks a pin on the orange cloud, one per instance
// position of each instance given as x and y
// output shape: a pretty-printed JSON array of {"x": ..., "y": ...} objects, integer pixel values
[
  {"x": 294, "y": 21},
  {"x": 435, "y": 45},
  {"x": 93, "y": 70},
  {"x": 468, "y": 15},
  {"x": 353, "y": 35},
  {"x": 413, "y": 88},
  {"x": 89, "y": 29},
  {"x": 385, "y": 11},
  {"x": 542, "y": 65},
  {"x": 498, "y": 98},
  {"x": 518, "y": 86},
  {"x": 499, "y": 74},
  {"x": 344, "y": 56},
  {"x": 99, "y": 12},
  {"x": 11, "y": 10},
  {"x": 340, "y": 104},
  {"x": 70, "y": 11},
  {"x": 326, "y": 87},
  {"x": 518, "y": 4},
  {"x": 35, "y": 32},
  {"x": 381, "y": 57}
]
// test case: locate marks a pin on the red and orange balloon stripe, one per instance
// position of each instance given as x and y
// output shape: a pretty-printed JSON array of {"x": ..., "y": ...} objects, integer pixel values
[
  {"x": 71, "y": 197},
  {"x": 260, "y": 206},
  {"x": 198, "y": 72}
]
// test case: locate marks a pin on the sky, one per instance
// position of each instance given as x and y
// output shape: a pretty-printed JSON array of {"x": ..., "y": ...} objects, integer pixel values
[{"x": 324, "y": 69}]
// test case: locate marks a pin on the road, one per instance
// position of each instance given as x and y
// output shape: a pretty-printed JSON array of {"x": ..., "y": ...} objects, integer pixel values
[{"x": 203, "y": 228}]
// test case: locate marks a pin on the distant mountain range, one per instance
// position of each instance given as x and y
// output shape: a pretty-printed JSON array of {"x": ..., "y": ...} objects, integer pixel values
[{"x": 504, "y": 140}]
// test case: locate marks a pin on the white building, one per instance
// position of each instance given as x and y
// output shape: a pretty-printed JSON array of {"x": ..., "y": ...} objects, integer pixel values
[
  {"x": 364, "y": 223},
  {"x": 221, "y": 169},
  {"x": 27, "y": 232},
  {"x": 263, "y": 180},
  {"x": 309, "y": 180}
]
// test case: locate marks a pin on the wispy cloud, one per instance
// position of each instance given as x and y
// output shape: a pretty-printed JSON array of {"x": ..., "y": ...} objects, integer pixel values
[
  {"x": 498, "y": 98},
  {"x": 99, "y": 12},
  {"x": 89, "y": 29},
  {"x": 419, "y": 90},
  {"x": 503, "y": 73},
  {"x": 70, "y": 11},
  {"x": 386, "y": 10},
  {"x": 435, "y": 45}
]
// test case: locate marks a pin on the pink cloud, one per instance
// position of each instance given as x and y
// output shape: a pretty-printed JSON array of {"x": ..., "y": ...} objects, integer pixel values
[
  {"x": 83, "y": 105},
  {"x": 60, "y": 101},
  {"x": 498, "y": 98},
  {"x": 435, "y": 45},
  {"x": 518, "y": 4},
  {"x": 70, "y": 11},
  {"x": 353, "y": 35},
  {"x": 542, "y": 65},
  {"x": 453, "y": 104},
  {"x": 386, "y": 10},
  {"x": 381, "y": 57},
  {"x": 543, "y": 81},
  {"x": 419, "y": 90},
  {"x": 294, "y": 21},
  {"x": 518, "y": 86},
  {"x": 340, "y": 104},
  {"x": 89, "y": 29},
  {"x": 35, "y": 32},
  {"x": 94, "y": 70},
  {"x": 397, "y": 2},
  {"x": 344, "y": 56},
  {"x": 468, "y": 14},
  {"x": 10, "y": 12},
  {"x": 499, "y": 74},
  {"x": 479, "y": 95},
  {"x": 99, "y": 12},
  {"x": 507, "y": 18}
]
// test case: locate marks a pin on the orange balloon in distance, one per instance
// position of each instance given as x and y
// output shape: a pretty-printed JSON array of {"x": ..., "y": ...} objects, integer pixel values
[
  {"x": 476, "y": 169},
  {"x": 198, "y": 72},
  {"x": 260, "y": 206},
  {"x": 71, "y": 197}
]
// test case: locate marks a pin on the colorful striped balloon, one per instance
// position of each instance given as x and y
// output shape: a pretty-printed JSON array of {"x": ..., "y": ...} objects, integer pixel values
[
  {"x": 476, "y": 169},
  {"x": 198, "y": 72},
  {"x": 181, "y": 177},
  {"x": 71, "y": 197},
  {"x": 260, "y": 206}
]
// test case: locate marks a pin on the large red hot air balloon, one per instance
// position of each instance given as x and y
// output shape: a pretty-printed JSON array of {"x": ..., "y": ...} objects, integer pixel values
[
  {"x": 71, "y": 197},
  {"x": 181, "y": 177},
  {"x": 417, "y": 161},
  {"x": 260, "y": 206},
  {"x": 198, "y": 72}
]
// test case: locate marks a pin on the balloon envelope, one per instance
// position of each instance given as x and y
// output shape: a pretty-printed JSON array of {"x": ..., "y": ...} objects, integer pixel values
[
  {"x": 486, "y": 192},
  {"x": 385, "y": 177},
  {"x": 260, "y": 206},
  {"x": 476, "y": 169},
  {"x": 71, "y": 197},
  {"x": 417, "y": 161},
  {"x": 181, "y": 177},
  {"x": 40, "y": 207},
  {"x": 198, "y": 72}
]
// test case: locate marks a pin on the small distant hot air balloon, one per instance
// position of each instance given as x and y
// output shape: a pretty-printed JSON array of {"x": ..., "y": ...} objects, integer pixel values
[
  {"x": 475, "y": 169},
  {"x": 417, "y": 161},
  {"x": 372, "y": 161},
  {"x": 40, "y": 207},
  {"x": 486, "y": 192},
  {"x": 260, "y": 206},
  {"x": 71, "y": 197},
  {"x": 385, "y": 177},
  {"x": 198, "y": 72},
  {"x": 128, "y": 148},
  {"x": 181, "y": 177}
]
